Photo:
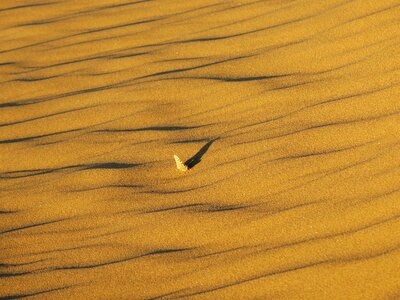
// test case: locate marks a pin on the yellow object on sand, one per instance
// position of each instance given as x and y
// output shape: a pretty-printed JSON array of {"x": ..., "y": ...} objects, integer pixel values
[{"x": 180, "y": 165}]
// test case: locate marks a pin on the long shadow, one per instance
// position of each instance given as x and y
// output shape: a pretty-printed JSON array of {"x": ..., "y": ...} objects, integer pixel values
[{"x": 194, "y": 160}]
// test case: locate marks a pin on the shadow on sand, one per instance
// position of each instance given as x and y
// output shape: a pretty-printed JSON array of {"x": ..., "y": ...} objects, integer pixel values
[{"x": 194, "y": 160}]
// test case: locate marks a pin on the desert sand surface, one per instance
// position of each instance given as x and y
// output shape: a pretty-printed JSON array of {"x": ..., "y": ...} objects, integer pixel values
[{"x": 286, "y": 112}]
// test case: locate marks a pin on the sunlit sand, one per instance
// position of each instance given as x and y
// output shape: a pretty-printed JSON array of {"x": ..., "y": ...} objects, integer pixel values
[{"x": 285, "y": 114}]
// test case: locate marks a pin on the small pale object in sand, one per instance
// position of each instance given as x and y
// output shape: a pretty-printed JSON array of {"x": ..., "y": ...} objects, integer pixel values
[{"x": 180, "y": 165}]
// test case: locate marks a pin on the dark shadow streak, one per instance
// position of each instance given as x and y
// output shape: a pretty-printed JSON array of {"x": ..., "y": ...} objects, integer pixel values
[
  {"x": 152, "y": 128},
  {"x": 2, "y": 212},
  {"x": 190, "y": 141},
  {"x": 19, "y": 296},
  {"x": 92, "y": 266},
  {"x": 194, "y": 160},
  {"x": 32, "y": 225},
  {"x": 26, "y": 6},
  {"x": 93, "y": 166}
]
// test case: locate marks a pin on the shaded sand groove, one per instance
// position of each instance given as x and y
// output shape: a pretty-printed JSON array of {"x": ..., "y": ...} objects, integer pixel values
[{"x": 286, "y": 113}]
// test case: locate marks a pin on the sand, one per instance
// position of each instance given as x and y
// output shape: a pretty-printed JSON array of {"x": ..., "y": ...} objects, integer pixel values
[{"x": 286, "y": 112}]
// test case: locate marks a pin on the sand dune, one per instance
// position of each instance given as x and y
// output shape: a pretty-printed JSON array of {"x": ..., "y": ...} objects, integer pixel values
[{"x": 286, "y": 112}]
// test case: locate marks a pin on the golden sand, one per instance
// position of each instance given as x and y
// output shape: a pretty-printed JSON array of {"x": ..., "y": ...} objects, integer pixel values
[{"x": 286, "y": 113}]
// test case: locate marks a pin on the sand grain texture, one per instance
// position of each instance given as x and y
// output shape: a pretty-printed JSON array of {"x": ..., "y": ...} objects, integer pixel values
[{"x": 286, "y": 112}]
